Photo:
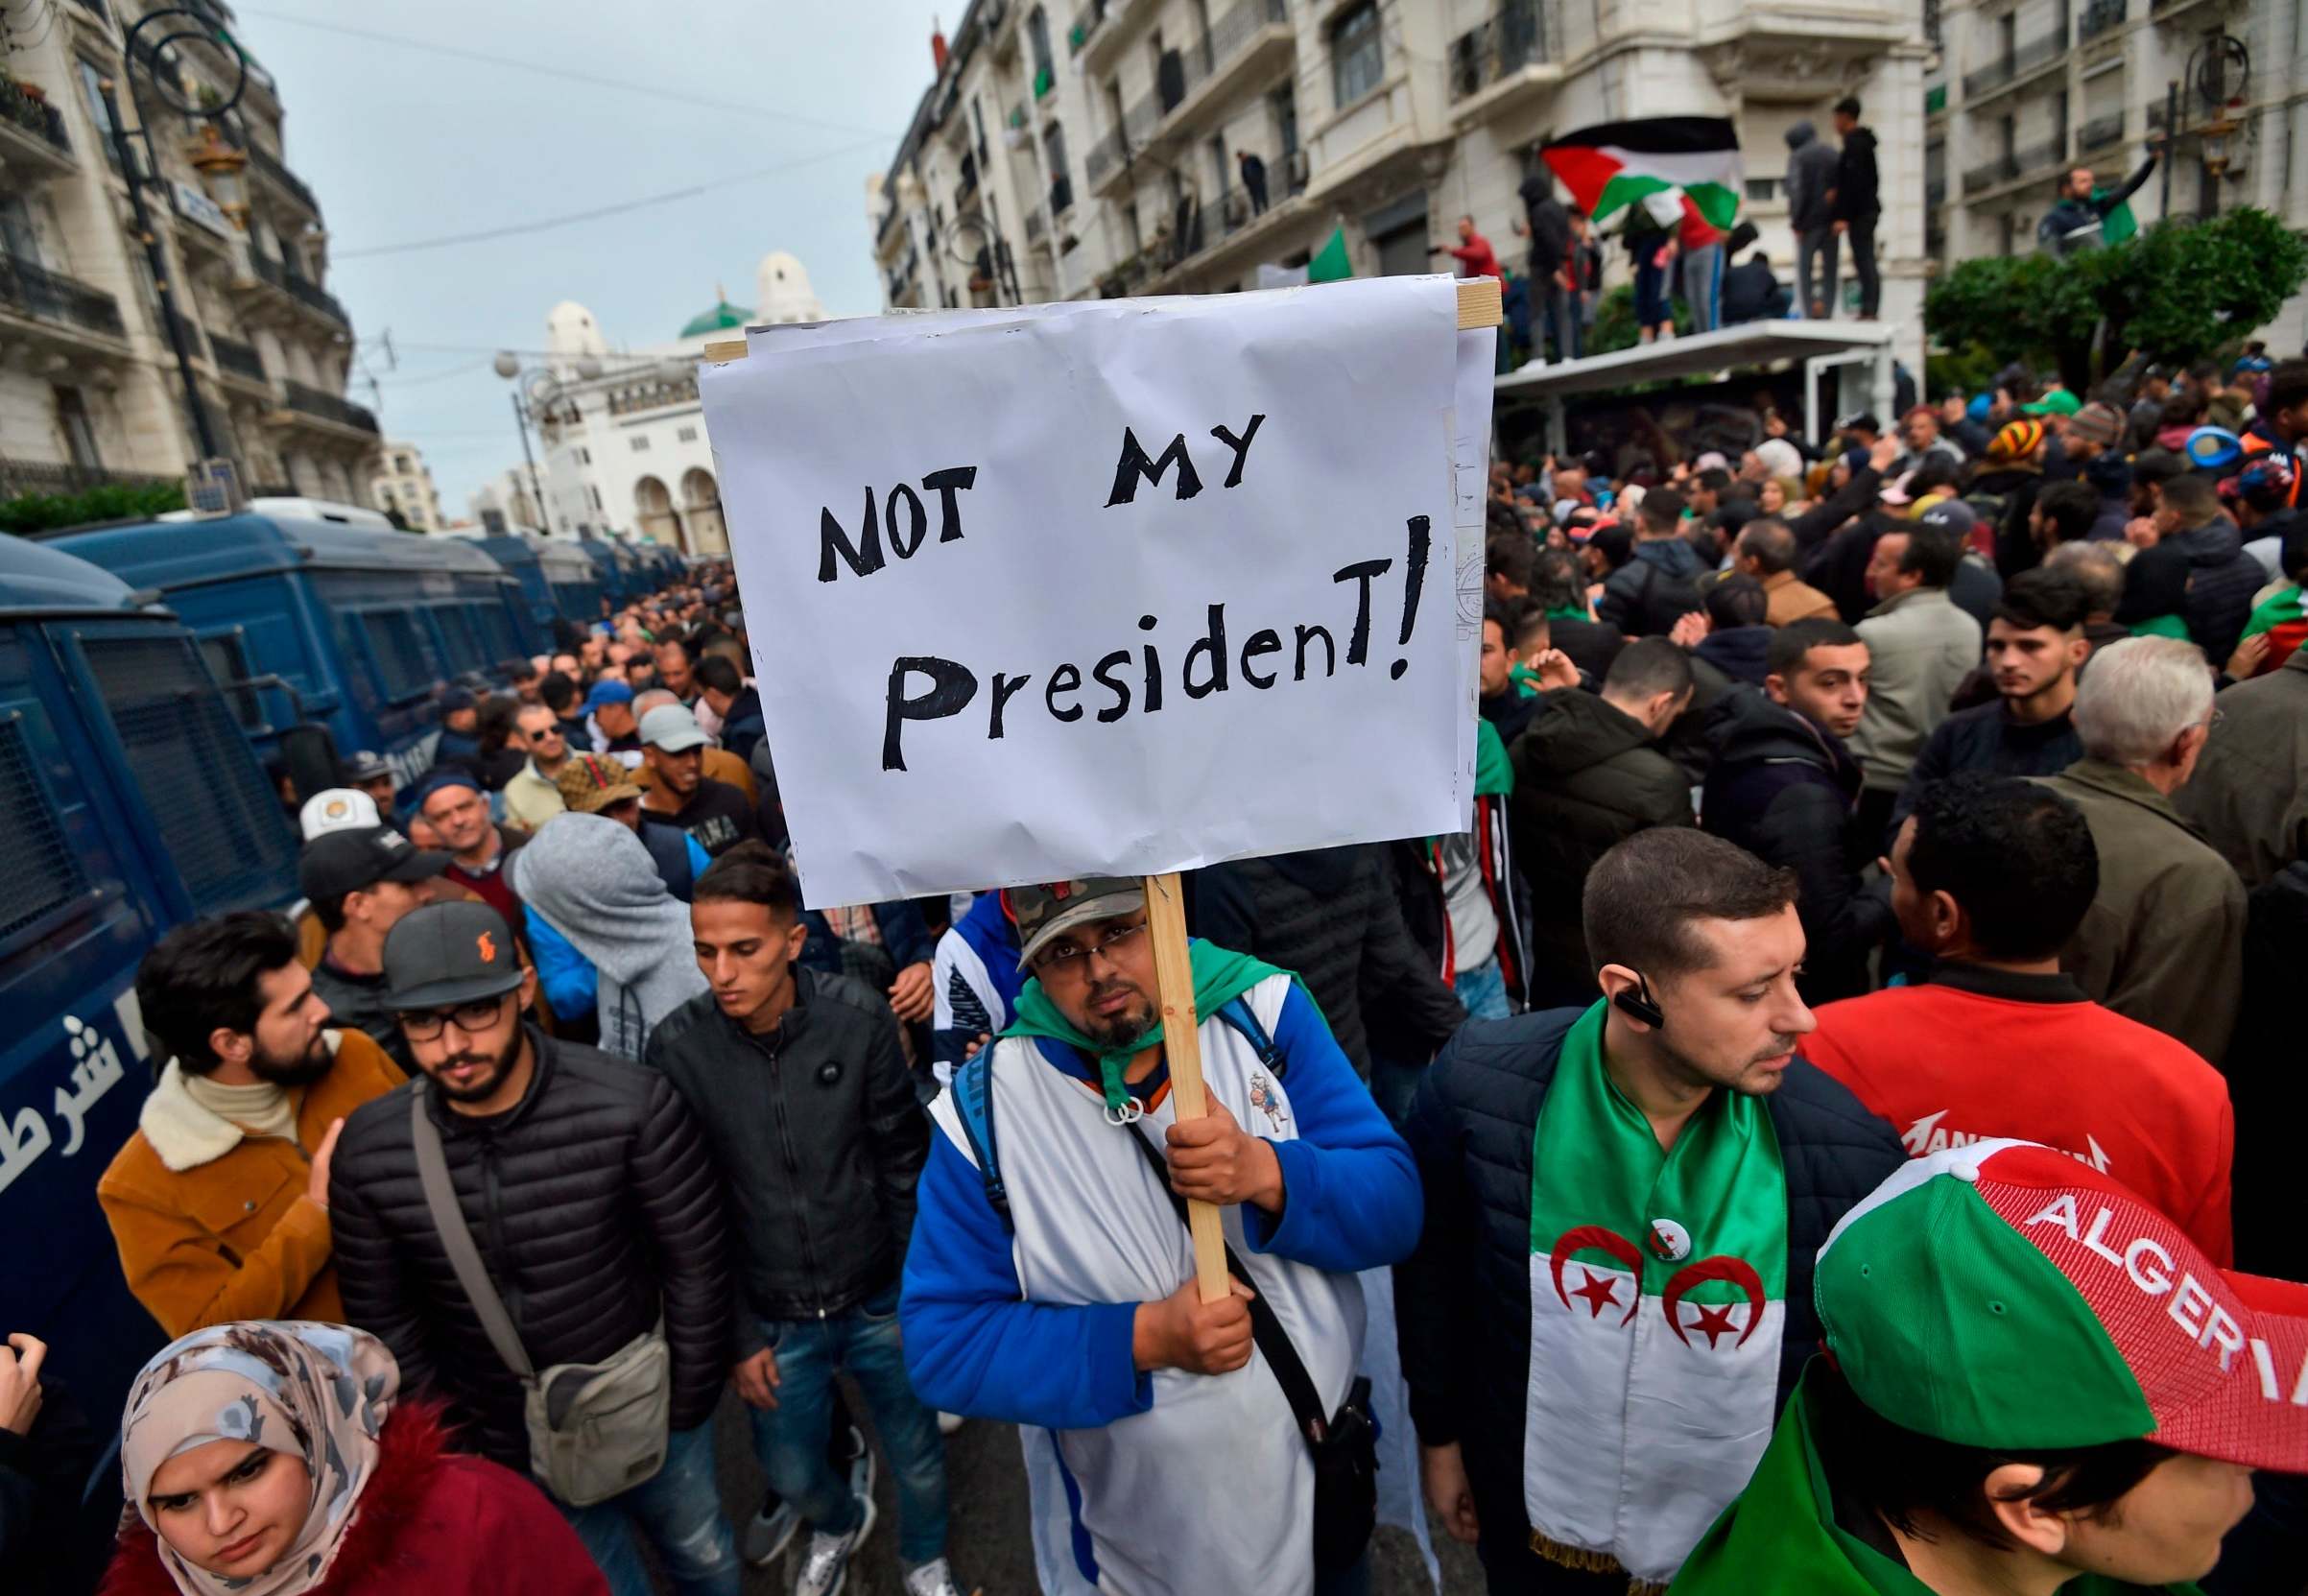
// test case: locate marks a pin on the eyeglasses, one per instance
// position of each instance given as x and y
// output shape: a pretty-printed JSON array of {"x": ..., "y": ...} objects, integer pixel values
[
  {"x": 472, "y": 1018},
  {"x": 1070, "y": 958}
]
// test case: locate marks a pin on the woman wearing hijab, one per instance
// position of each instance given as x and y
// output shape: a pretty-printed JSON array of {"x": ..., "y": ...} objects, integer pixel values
[
  {"x": 273, "y": 1460},
  {"x": 590, "y": 879}
]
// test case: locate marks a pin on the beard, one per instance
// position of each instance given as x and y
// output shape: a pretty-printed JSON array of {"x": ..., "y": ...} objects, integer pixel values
[
  {"x": 1118, "y": 1030},
  {"x": 487, "y": 1082},
  {"x": 288, "y": 1074},
  {"x": 1742, "y": 1079}
]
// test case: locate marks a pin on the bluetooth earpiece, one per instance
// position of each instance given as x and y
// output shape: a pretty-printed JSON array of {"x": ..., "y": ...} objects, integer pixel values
[{"x": 1640, "y": 1004}]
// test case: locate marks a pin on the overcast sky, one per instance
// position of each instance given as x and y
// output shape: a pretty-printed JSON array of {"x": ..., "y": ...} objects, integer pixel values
[{"x": 406, "y": 142}]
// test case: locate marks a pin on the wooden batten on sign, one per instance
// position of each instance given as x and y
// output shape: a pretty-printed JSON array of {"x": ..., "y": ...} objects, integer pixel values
[{"x": 1480, "y": 305}]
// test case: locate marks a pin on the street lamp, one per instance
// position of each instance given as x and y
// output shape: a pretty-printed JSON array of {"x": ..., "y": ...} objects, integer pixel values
[
  {"x": 222, "y": 169},
  {"x": 539, "y": 383}
]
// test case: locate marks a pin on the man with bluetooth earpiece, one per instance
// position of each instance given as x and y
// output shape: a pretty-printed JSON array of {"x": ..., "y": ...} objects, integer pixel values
[{"x": 1622, "y": 1206}]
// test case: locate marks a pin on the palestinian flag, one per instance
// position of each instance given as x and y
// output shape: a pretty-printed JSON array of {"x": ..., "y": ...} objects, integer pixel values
[{"x": 1616, "y": 164}]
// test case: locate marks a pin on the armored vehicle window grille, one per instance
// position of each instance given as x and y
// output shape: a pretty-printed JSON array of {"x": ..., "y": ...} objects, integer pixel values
[
  {"x": 226, "y": 663},
  {"x": 42, "y": 873},
  {"x": 221, "y": 825},
  {"x": 399, "y": 653},
  {"x": 457, "y": 634},
  {"x": 498, "y": 639}
]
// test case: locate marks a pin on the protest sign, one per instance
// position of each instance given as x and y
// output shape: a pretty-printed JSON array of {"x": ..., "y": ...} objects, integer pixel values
[{"x": 1105, "y": 588}]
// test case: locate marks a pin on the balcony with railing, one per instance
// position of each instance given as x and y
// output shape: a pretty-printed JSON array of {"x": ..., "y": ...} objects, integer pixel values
[
  {"x": 32, "y": 132},
  {"x": 307, "y": 400},
  {"x": 58, "y": 301},
  {"x": 1086, "y": 21},
  {"x": 1233, "y": 213},
  {"x": 313, "y": 297},
  {"x": 236, "y": 359},
  {"x": 2018, "y": 66},
  {"x": 2100, "y": 17},
  {"x": 2101, "y": 132},
  {"x": 21, "y": 477},
  {"x": 1186, "y": 79},
  {"x": 268, "y": 165},
  {"x": 1489, "y": 54}
]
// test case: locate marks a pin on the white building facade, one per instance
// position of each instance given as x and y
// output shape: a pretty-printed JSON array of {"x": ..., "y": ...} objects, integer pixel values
[
  {"x": 1098, "y": 150},
  {"x": 90, "y": 389},
  {"x": 404, "y": 486},
  {"x": 620, "y": 437},
  {"x": 2025, "y": 90}
]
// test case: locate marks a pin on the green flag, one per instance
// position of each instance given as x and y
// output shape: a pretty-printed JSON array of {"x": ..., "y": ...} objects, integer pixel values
[{"x": 1330, "y": 263}]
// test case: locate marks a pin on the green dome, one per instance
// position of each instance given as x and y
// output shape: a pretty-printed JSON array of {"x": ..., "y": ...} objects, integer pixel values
[{"x": 721, "y": 318}]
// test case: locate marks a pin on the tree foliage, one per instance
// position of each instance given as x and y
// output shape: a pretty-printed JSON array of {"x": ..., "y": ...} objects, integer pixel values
[
  {"x": 39, "y": 511},
  {"x": 2178, "y": 291}
]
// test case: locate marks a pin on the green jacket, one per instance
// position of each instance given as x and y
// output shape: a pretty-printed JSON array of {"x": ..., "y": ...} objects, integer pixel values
[{"x": 1781, "y": 1536}]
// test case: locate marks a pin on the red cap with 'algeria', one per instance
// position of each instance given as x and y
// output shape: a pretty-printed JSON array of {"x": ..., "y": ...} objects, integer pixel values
[{"x": 2005, "y": 1295}]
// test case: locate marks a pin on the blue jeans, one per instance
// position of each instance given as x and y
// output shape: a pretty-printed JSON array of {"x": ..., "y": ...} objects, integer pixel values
[
  {"x": 1482, "y": 991},
  {"x": 680, "y": 1512},
  {"x": 790, "y": 1439}
]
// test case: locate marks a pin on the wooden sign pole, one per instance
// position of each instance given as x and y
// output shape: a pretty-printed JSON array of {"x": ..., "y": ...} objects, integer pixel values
[{"x": 1479, "y": 306}]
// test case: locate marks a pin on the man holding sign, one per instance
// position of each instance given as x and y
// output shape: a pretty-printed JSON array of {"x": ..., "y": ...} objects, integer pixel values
[{"x": 1051, "y": 1280}]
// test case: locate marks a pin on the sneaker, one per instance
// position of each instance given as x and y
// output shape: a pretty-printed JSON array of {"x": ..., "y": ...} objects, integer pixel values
[
  {"x": 861, "y": 1469},
  {"x": 825, "y": 1570},
  {"x": 931, "y": 1579},
  {"x": 948, "y": 1423},
  {"x": 770, "y": 1532}
]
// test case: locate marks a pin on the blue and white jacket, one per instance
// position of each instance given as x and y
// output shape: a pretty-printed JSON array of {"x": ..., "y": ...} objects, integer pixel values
[
  {"x": 977, "y": 978},
  {"x": 1148, "y": 1483}
]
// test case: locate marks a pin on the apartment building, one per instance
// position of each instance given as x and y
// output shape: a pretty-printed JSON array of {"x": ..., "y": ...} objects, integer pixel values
[
  {"x": 403, "y": 486},
  {"x": 91, "y": 389},
  {"x": 2025, "y": 90},
  {"x": 1066, "y": 155}
]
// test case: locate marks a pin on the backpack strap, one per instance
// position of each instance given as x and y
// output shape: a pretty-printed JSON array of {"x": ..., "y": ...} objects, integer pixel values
[
  {"x": 973, "y": 1105},
  {"x": 1243, "y": 1020}
]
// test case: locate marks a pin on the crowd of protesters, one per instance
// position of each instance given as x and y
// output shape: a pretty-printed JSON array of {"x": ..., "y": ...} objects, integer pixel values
[{"x": 1847, "y": 813}]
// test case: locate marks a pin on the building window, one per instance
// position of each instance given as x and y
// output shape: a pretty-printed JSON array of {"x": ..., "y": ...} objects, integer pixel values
[
  {"x": 687, "y": 434},
  {"x": 641, "y": 443},
  {"x": 596, "y": 492},
  {"x": 1357, "y": 55},
  {"x": 79, "y": 436}
]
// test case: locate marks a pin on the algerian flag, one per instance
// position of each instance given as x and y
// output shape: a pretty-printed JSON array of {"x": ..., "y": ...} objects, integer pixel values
[
  {"x": 1328, "y": 265},
  {"x": 1659, "y": 1286},
  {"x": 1616, "y": 163}
]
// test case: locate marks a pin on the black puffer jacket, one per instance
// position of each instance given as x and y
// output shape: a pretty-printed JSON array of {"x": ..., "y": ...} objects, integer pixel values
[
  {"x": 2202, "y": 576},
  {"x": 820, "y": 1137},
  {"x": 1335, "y": 916},
  {"x": 1586, "y": 777},
  {"x": 1462, "y": 1302},
  {"x": 594, "y": 1204},
  {"x": 1782, "y": 789}
]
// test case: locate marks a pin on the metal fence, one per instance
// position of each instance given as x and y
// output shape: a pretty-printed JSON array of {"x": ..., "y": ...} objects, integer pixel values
[
  {"x": 328, "y": 407},
  {"x": 47, "y": 295},
  {"x": 235, "y": 356},
  {"x": 1515, "y": 36},
  {"x": 1181, "y": 72}
]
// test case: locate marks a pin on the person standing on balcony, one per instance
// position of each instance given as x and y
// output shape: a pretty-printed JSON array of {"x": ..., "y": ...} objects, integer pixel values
[
  {"x": 1811, "y": 174},
  {"x": 1254, "y": 181},
  {"x": 1553, "y": 281},
  {"x": 1857, "y": 201},
  {"x": 1473, "y": 252}
]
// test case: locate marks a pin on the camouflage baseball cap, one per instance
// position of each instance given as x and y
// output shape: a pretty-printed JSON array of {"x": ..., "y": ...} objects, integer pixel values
[{"x": 1046, "y": 912}]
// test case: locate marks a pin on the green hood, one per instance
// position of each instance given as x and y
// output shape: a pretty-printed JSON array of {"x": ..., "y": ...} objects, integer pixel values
[
  {"x": 1781, "y": 1534},
  {"x": 1220, "y": 977}
]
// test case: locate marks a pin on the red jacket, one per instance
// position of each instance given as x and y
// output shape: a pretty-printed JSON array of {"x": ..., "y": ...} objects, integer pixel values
[
  {"x": 1479, "y": 258},
  {"x": 1981, "y": 1053},
  {"x": 431, "y": 1522}
]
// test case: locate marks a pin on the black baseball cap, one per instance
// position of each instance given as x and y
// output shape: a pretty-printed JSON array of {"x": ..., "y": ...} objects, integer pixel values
[
  {"x": 359, "y": 857},
  {"x": 446, "y": 954}
]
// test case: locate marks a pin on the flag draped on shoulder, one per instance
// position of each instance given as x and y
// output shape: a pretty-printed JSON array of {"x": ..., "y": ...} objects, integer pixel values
[{"x": 1615, "y": 164}]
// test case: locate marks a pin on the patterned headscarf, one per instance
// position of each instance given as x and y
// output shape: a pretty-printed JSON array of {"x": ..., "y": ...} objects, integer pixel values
[{"x": 316, "y": 1392}]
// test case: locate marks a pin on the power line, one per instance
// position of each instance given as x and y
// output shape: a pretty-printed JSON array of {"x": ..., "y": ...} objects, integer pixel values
[
  {"x": 598, "y": 212},
  {"x": 622, "y": 85}
]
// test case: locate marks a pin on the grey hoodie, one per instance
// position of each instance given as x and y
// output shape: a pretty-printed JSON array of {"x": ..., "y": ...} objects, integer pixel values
[
  {"x": 1810, "y": 175},
  {"x": 592, "y": 880}
]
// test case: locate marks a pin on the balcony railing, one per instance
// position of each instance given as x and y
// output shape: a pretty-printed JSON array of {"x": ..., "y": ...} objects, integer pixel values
[
  {"x": 45, "y": 296},
  {"x": 2101, "y": 132},
  {"x": 2037, "y": 52},
  {"x": 1514, "y": 36},
  {"x": 2100, "y": 17},
  {"x": 1181, "y": 72},
  {"x": 19, "y": 476},
  {"x": 1206, "y": 227},
  {"x": 270, "y": 165},
  {"x": 314, "y": 295},
  {"x": 1985, "y": 175},
  {"x": 656, "y": 395},
  {"x": 307, "y": 400},
  {"x": 238, "y": 358},
  {"x": 36, "y": 117}
]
